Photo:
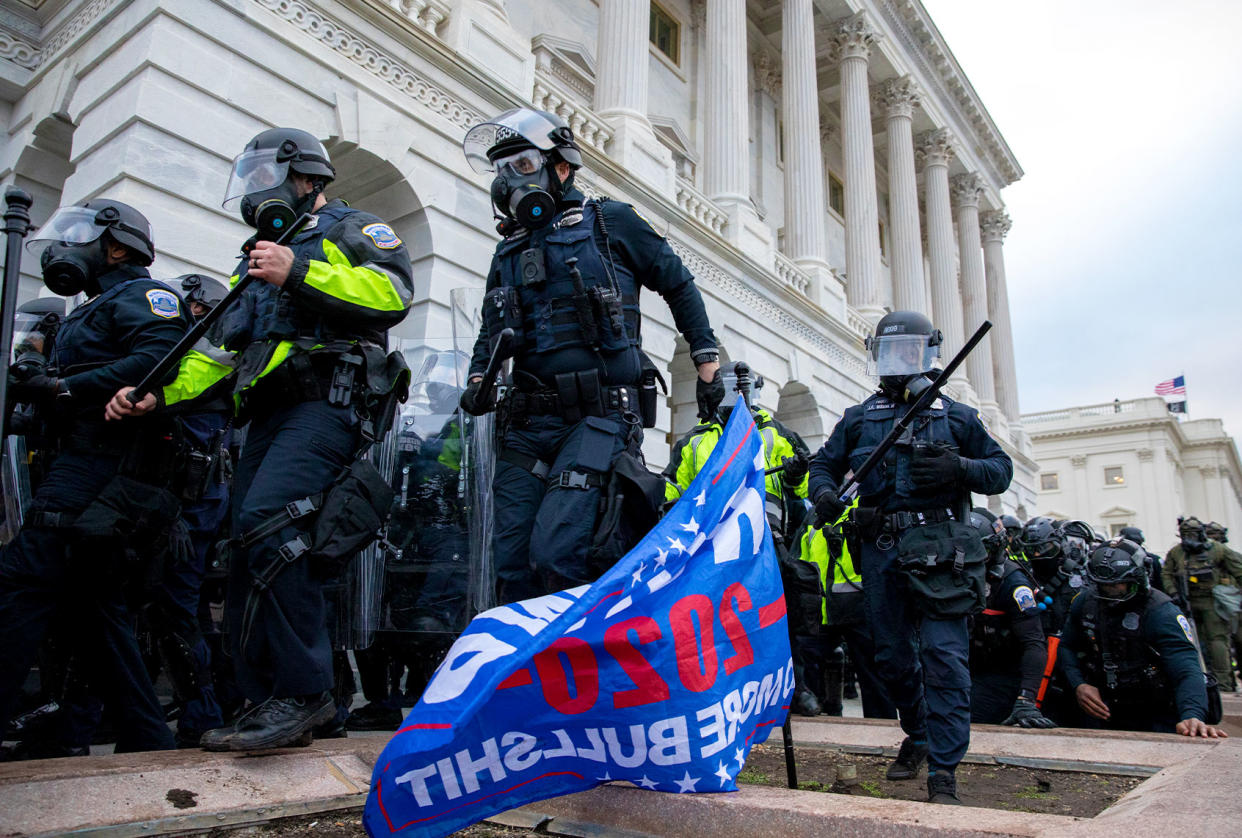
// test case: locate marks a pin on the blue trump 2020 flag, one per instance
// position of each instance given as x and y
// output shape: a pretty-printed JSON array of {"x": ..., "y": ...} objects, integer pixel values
[{"x": 663, "y": 672}]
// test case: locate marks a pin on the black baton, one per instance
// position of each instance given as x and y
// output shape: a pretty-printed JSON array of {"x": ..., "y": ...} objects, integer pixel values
[
  {"x": 16, "y": 226},
  {"x": 174, "y": 356},
  {"x": 500, "y": 354}
]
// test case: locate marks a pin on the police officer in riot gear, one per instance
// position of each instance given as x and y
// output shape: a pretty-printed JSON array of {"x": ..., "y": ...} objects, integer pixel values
[
  {"x": 924, "y": 481},
  {"x": 1013, "y": 529},
  {"x": 1128, "y": 653},
  {"x": 1058, "y": 570},
  {"x": 1194, "y": 567},
  {"x": 566, "y": 279},
  {"x": 308, "y": 354},
  {"x": 103, "y": 496},
  {"x": 1007, "y": 648}
]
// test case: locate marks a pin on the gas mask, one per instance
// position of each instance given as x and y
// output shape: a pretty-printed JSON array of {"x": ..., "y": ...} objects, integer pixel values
[
  {"x": 905, "y": 388},
  {"x": 526, "y": 188},
  {"x": 1194, "y": 540},
  {"x": 272, "y": 211},
  {"x": 70, "y": 269}
]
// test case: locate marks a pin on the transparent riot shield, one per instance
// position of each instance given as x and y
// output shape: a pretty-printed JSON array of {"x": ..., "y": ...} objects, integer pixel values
[{"x": 15, "y": 486}]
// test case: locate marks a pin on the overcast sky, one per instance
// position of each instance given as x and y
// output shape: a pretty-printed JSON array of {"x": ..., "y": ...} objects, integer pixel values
[{"x": 1125, "y": 256}]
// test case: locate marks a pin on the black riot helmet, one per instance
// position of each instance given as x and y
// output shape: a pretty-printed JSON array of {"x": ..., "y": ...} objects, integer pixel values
[
  {"x": 1119, "y": 570},
  {"x": 902, "y": 351},
  {"x": 1013, "y": 528},
  {"x": 1193, "y": 534},
  {"x": 1132, "y": 534},
  {"x": 1043, "y": 545},
  {"x": 196, "y": 288},
  {"x": 992, "y": 533},
  {"x": 260, "y": 187},
  {"x": 74, "y": 241},
  {"x": 522, "y": 146},
  {"x": 1217, "y": 532}
]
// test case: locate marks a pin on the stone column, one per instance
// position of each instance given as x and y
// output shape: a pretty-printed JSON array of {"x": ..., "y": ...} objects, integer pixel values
[
  {"x": 806, "y": 239},
  {"x": 966, "y": 189},
  {"x": 726, "y": 130},
  {"x": 935, "y": 149},
  {"x": 852, "y": 39},
  {"x": 621, "y": 92},
  {"x": 994, "y": 225},
  {"x": 898, "y": 98}
]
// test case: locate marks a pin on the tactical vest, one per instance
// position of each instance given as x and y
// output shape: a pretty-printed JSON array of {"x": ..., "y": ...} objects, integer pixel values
[
  {"x": 889, "y": 483},
  {"x": 1204, "y": 571},
  {"x": 992, "y": 642},
  {"x": 266, "y": 312},
  {"x": 535, "y": 294},
  {"x": 1116, "y": 658},
  {"x": 81, "y": 331},
  {"x": 1061, "y": 589}
]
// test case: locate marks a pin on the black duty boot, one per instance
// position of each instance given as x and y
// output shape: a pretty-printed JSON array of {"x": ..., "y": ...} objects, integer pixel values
[
  {"x": 279, "y": 723},
  {"x": 374, "y": 717},
  {"x": 942, "y": 787},
  {"x": 909, "y": 758},
  {"x": 805, "y": 703}
]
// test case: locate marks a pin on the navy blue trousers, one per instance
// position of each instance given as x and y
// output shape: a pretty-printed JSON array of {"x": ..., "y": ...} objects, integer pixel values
[
  {"x": 543, "y": 534},
  {"x": 922, "y": 662},
  {"x": 290, "y": 454},
  {"x": 46, "y": 574}
]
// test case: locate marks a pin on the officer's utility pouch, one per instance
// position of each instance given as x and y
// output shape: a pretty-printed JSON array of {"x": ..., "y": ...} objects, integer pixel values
[
  {"x": 804, "y": 594},
  {"x": 502, "y": 309},
  {"x": 354, "y": 509},
  {"x": 945, "y": 567},
  {"x": 647, "y": 395},
  {"x": 629, "y": 507},
  {"x": 130, "y": 509},
  {"x": 595, "y": 444}
]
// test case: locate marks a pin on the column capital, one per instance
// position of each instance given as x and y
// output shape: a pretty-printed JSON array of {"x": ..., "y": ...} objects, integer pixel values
[
  {"x": 897, "y": 97},
  {"x": 935, "y": 147},
  {"x": 994, "y": 225},
  {"x": 853, "y": 37},
  {"x": 965, "y": 189},
  {"x": 767, "y": 74}
]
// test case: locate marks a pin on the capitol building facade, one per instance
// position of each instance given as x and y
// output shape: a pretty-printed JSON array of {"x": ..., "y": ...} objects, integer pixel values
[{"x": 814, "y": 162}]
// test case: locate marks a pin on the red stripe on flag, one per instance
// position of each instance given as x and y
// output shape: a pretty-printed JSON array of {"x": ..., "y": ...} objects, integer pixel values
[
  {"x": 521, "y": 678},
  {"x": 725, "y": 468},
  {"x": 426, "y": 726},
  {"x": 601, "y": 601},
  {"x": 772, "y": 612}
]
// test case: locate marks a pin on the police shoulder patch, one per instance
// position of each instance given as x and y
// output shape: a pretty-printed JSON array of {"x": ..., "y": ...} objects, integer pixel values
[
  {"x": 1185, "y": 624},
  {"x": 1025, "y": 598},
  {"x": 382, "y": 235},
  {"x": 164, "y": 303}
]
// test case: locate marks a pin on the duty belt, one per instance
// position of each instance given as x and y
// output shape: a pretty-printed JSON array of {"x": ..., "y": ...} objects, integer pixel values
[
  {"x": 899, "y": 521},
  {"x": 302, "y": 377},
  {"x": 550, "y": 404}
]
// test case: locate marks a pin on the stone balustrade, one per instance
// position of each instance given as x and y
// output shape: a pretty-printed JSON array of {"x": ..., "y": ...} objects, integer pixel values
[
  {"x": 587, "y": 127},
  {"x": 425, "y": 14},
  {"x": 699, "y": 207},
  {"x": 792, "y": 275}
]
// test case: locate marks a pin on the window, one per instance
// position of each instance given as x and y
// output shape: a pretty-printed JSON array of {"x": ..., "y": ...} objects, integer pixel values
[
  {"x": 666, "y": 33},
  {"x": 836, "y": 194},
  {"x": 1114, "y": 476},
  {"x": 1050, "y": 482}
]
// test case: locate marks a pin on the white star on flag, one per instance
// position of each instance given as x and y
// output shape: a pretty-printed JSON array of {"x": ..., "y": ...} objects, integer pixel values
[
  {"x": 675, "y": 544},
  {"x": 647, "y": 784},
  {"x": 691, "y": 526},
  {"x": 637, "y": 575},
  {"x": 724, "y": 775},
  {"x": 700, "y": 498},
  {"x": 661, "y": 557},
  {"x": 740, "y": 757},
  {"x": 605, "y": 778},
  {"x": 686, "y": 783}
]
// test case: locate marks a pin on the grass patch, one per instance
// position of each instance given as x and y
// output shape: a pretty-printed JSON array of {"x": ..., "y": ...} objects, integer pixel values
[
  {"x": 752, "y": 777},
  {"x": 1033, "y": 793},
  {"x": 872, "y": 788},
  {"x": 812, "y": 786}
]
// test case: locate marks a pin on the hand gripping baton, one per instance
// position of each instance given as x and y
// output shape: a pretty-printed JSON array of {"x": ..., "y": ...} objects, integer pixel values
[
  {"x": 174, "y": 356},
  {"x": 500, "y": 353}
]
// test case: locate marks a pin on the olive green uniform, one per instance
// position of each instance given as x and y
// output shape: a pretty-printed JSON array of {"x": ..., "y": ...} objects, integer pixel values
[{"x": 1196, "y": 574}]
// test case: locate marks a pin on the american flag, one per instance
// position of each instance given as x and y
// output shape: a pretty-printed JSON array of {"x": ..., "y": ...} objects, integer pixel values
[{"x": 1172, "y": 387}]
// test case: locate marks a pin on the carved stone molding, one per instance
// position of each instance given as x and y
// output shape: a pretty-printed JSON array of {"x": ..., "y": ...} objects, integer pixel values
[
  {"x": 568, "y": 62},
  {"x": 852, "y": 37},
  {"x": 934, "y": 148},
  {"x": 768, "y": 74},
  {"x": 27, "y": 55},
  {"x": 965, "y": 189},
  {"x": 1146, "y": 455},
  {"x": 1208, "y": 471},
  {"x": 897, "y": 97},
  {"x": 383, "y": 66},
  {"x": 22, "y": 53},
  {"x": 994, "y": 225},
  {"x": 1078, "y": 461}
]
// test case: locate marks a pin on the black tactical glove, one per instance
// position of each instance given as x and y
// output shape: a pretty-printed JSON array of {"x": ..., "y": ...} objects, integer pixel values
[
  {"x": 40, "y": 388},
  {"x": 29, "y": 363},
  {"x": 828, "y": 508},
  {"x": 709, "y": 395},
  {"x": 795, "y": 468},
  {"x": 470, "y": 399},
  {"x": 934, "y": 467},
  {"x": 1026, "y": 714}
]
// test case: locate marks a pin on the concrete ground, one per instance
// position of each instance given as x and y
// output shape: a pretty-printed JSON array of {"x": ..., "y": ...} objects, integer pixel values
[{"x": 1194, "y": 787}]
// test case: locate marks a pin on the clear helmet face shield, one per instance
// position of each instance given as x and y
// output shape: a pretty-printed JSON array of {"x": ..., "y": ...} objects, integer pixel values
[
  {"x": 900, "y": 355},
  {"x": 254, "y": 171},
  {"x": 517, "y": 123},
  {"x": 69, "y": 226}
]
